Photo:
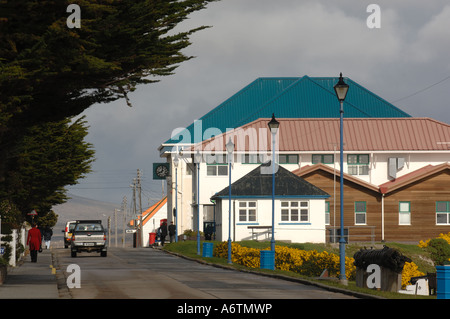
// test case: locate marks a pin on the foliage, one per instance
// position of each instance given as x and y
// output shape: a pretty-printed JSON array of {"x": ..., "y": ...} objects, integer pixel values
[
  {"x": 308, "y": 263},
  {"x": 410, "y": 270},
  {"x": 49, "y": 220},
  {"x": 446, "y": 237},
  {"x": 440, "y": 251},
  {"x": 439, "y": 248},
  {"x": 49, "y": 71},
  {"x": 10, "y": 215},
  {"x": 48, "y": 157}
]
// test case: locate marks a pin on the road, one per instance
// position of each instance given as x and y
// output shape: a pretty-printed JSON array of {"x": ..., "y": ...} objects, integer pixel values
[{"x": 146, "y": 273}]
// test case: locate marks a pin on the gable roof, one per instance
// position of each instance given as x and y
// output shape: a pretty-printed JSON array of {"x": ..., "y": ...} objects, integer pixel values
[
  {"x": 412, "y": 177},
  {"x": 258, "y": 184},
  {"x": 289, "y": 97},
  {"x": 326, "y": 168},
  {"x": 360, "y": 134},
  {"x": 151, "y": 211}
]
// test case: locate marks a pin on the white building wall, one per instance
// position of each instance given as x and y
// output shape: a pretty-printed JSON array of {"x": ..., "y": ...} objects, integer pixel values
[
  {"x": 152, "y": 225},
  {"x": 209, "y": 185},
  {"x": 311, "y": 231}
]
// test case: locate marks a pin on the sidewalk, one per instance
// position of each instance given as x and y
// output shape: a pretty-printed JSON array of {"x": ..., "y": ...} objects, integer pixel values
[{"x": 31, "y": 280}]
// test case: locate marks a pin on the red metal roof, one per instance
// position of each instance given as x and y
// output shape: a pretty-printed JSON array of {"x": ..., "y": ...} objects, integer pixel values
[
  {"x": 360, "y": 134},
  {"x": 416, "y": 175}
]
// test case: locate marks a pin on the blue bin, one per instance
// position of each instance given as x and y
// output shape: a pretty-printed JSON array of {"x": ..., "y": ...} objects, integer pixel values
[
  {"x": 267, "y": 259},
  {"x": 443, "y": 282},
  {"x": 208, "y": 249}
]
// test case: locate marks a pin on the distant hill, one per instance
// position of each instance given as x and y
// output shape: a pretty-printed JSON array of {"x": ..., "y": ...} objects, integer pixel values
[{"x": 84, "y": 208}]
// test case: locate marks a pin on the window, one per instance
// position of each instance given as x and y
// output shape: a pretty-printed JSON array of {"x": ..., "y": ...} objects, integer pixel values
[
  {"x": 253, "y": 158},
  {"x": 327, "y": 213},
  {"x": 360, "y": 213},
  {"x": 247, "y": 211},
  {"x": 288, "y": 159},
  {"x": 404, "y": 213},
  {"x": 442, "y": 213},
  {"x": 216, "y": 165},
  {"x": 295, "y": 211},
  {"x": 323, "y": 158},
  {"x": 358, "y": 164}
]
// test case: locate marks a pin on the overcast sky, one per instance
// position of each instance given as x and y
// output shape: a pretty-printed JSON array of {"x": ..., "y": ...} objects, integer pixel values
[{"x": 406, "y": 62}]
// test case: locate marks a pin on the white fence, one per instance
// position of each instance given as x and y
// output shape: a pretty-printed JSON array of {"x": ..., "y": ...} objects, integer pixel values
[{"x": 18, "y": 237}]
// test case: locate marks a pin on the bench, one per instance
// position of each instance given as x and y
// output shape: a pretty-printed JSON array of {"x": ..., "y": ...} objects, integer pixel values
[{"x": 259, "y": 227}]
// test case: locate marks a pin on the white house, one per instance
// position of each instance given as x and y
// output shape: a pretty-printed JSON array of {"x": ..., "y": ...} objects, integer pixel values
[
  {"x": 376, "y": 151},
  {"x": 151, "y": 219},
  {"x": 300, "y": 208}
]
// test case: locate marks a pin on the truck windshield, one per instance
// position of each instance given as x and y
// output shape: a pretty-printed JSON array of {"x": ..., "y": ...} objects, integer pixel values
[{"x": 88, "y": 227}]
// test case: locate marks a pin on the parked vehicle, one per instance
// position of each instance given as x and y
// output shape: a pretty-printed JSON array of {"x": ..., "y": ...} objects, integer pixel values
[
  {"x": 88, "y": 236},
  {"x": 68, "y": 232}
]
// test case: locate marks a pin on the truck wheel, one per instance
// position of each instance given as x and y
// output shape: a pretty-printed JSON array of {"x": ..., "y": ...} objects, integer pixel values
[
  {"x": 103, "y": 254},
  {"x": 73, "y": 254}
]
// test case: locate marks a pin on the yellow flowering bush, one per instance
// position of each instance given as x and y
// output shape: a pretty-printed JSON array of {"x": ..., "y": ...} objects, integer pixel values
[
  {"x": 305, "y": 262},
  {"x": 410, "y": 270},
  {"x": 424, "y": 244}
]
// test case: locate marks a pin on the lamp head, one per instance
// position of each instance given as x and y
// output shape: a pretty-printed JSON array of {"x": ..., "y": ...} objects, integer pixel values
[
  {"x": 273, "y": 124},
  {"x": 341, "y": 89}
]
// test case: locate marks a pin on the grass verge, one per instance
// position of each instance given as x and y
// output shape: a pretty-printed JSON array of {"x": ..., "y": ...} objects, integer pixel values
[{"x": 419, "y": 256}]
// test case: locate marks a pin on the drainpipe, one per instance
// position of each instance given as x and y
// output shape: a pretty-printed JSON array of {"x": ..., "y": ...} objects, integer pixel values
[{"x": 382, "y": 217}]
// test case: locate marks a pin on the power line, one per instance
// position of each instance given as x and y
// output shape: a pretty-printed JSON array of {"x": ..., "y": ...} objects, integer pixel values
[{"x": 422, "y": 90}]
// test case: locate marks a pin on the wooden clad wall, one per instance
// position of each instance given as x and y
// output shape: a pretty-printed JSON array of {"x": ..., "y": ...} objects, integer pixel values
[{"x": 422, "y": 196}]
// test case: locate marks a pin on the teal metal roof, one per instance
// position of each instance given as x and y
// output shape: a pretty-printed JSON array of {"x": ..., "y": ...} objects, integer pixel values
[{"x": 291, "y": 97}]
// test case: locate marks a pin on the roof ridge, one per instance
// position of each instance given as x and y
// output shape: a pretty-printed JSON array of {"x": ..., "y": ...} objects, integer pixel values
[{"x": 277, "y": 96}]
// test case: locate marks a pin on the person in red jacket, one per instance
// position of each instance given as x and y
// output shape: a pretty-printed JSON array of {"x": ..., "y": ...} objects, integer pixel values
[{"x": 34, "y": 241}]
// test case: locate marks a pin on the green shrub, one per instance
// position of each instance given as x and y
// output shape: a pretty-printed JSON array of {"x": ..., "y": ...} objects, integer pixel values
[{"x": 439, "y": 251}]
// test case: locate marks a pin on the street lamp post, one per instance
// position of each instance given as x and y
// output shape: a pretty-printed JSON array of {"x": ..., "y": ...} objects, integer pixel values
[
  {"x": 175, "y": 163},
  {"x": 230, "y": 149},
  {"x": 198, "y": 159},
  {"x": 341, "y": 89},
  {"x": 273, "y": 126}
]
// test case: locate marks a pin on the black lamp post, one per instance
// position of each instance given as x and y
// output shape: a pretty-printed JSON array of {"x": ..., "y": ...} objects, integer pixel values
[
  {"x": 341, "y": 89},
  {"x": 273, "y": 126}
]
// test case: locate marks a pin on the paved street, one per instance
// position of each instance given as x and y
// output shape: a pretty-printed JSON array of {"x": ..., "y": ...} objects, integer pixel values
[{"x": 152, "y": 274}]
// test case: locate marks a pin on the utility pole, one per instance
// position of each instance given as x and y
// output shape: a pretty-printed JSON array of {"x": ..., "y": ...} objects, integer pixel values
[
  {"x": 141, "y": 228},
  {"x": 134, "y": 212},
  {"x": 124, "y": 210},
  {"x": 115, "y": 226}
]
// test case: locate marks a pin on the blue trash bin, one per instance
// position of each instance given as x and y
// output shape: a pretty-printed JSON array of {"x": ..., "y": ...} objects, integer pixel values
[
  {"x": 208, "y": 249},
  {"x": 267, "y": 259},
  {"x": 443, "y": 282}
]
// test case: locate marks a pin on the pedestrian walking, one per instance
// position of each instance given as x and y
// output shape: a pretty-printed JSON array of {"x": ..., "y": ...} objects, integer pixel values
[
  {"x": 172, "y": 231},
  {"x": 163, "y": 232},
  {"x": 47, "y": 234},
  {"x": 34, "y": 241}
]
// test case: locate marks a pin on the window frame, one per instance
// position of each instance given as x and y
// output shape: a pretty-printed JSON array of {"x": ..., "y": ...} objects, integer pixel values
[
  {"x": 246, "y": 209},
  {"x": 287, "y": 158},
  {"x": 358, "y": 213},
  {"x": 358, "y": 165},
  {"x": 295, "y": 213},
  {"x": 401, "y": 212},
  {"x": 447, "y": 212},
  {"x": 215, "y": 164},
  {"x": 322, "y": 159}
]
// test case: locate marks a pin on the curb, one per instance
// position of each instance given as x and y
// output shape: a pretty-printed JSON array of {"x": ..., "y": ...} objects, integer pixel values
[{"x": 282, "y": 277}]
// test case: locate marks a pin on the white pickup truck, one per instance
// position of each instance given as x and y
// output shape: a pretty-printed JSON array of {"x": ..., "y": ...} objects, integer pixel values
[{"x": 88, "y": 236}]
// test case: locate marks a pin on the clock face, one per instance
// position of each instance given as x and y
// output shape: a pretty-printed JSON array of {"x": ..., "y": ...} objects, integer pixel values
[{"x": 162, "y": 171}]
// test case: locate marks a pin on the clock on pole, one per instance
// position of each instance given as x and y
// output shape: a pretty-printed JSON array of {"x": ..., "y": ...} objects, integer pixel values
[{"x": 161, "y": 170}]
